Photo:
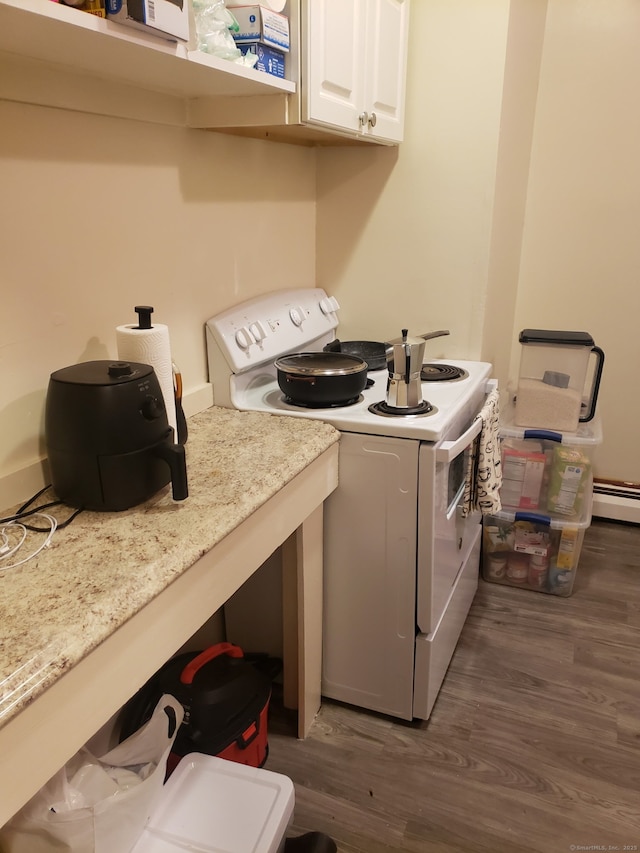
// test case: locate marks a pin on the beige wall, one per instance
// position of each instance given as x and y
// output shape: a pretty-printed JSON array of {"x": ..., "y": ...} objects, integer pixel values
[
  {"x": 520, "y": 92},
  {"x": 513, "y": 202},
  {"x": 580, "y": 252},
  {"x": 99, "y": 215},
  {"x": 404, "y": 234}
]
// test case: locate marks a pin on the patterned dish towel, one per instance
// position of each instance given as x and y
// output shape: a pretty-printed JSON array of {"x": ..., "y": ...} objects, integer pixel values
[{"x": 483, "y": 477}]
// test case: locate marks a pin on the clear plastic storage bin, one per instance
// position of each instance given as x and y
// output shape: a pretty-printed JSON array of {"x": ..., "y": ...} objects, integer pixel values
[
  {"x": 546, "y": 471},
  {"x": 533, "y": 551}
]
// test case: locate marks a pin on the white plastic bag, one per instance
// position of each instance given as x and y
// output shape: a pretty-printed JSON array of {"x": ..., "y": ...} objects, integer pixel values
[
  {"x": 99, "y": 805},
  {"x": 214, "y": 25}
]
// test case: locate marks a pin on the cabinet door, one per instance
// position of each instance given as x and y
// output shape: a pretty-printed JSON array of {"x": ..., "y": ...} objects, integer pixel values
[
  {"x": 387, "y": 40},
  {"x": 334, "y": 67}
]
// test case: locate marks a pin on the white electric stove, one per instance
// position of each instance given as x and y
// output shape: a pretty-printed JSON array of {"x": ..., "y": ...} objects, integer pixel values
[{"x": 401, "y": 559}]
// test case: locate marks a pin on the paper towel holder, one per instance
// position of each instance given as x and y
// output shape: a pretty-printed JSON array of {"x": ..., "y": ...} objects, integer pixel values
[
  {"x": 144, "y": 313},
  {"x": 142, "y": 338}
]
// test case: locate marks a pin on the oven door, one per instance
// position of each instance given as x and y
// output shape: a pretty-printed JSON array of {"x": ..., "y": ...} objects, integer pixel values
[{"x": 445, "y": 535}]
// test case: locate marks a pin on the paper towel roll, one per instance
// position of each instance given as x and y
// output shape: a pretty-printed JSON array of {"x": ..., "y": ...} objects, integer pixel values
[
  {"x": 151, "y": 346},
  {"x": 274, "y": 5}
]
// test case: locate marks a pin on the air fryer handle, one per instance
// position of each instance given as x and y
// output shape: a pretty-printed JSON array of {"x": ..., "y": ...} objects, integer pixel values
[
  {"x": 174, "y": 456},
  {"x": 188, "y": 673},
  {"x": 596, "y": 385}
]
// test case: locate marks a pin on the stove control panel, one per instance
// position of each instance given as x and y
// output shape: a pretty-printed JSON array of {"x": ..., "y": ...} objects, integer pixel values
[{"x": 262, "y": 329}]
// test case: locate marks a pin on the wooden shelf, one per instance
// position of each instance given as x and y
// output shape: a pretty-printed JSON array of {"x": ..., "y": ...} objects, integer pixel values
[{"x": 39, "y": 38}]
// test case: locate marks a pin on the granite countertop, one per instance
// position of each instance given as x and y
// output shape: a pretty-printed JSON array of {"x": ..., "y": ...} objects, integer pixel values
[{"x": 105, "y": 567}]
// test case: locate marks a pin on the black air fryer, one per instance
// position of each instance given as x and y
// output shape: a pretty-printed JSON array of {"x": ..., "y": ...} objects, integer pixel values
[{"x": 108, "y": 439}]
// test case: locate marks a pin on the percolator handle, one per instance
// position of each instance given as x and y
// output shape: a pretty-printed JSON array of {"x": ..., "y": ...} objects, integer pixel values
[
  {"x": 189, "y": 672},
  {"x": 596, "y": 385}
]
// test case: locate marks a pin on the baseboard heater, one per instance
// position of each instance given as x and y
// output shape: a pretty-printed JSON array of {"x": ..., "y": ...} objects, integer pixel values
[{"x": 616, "y": 499}]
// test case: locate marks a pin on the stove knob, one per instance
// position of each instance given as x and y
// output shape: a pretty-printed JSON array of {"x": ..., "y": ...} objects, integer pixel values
[
  {"x": 258, "y": 331},
  {"x": 244, "y": 338},
  {"x": 329, "y": 304},
  {"x": 297, "y": 316}
]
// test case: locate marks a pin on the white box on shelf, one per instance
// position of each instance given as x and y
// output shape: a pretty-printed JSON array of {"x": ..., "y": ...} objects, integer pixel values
[
  {"x": 164, "y": 18},
  {"x": 259, "y": 24},
  {"x": 270, "y": 60}
]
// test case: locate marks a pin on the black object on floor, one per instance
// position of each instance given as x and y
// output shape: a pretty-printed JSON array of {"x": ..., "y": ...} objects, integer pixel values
[{"x": 310, "y": 842}]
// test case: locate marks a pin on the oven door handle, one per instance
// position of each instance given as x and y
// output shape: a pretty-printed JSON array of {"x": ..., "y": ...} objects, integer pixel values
[{"x": 448, "y": 450}]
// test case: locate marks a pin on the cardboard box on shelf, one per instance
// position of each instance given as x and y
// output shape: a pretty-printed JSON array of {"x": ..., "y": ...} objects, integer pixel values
[
  {"x": 164, "y": 18},
  {"x": 259, "y": 24},
  {"x": 270, "y": 61}
]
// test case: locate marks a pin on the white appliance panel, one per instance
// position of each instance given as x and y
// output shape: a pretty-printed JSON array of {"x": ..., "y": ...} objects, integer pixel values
[
  {"x": 434, "y": 651},
  {"x": 369, "y": 571},
  {"x": 445, "y": 533},
  {"x": 261, "y": 329},
  {"x": 258, "y": 391}
]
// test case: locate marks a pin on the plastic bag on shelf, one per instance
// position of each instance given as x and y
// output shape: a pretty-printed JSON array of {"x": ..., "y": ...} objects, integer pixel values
[
  {"x": 214, "y": 24},
  {"x": 99, "y": 805}
]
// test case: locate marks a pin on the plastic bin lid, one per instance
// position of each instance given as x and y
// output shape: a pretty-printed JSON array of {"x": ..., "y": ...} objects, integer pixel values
[
  {"x": 218, "y": 806},
  {"x": 588, "y": 432},
  {"x": 556, "y": 338}
]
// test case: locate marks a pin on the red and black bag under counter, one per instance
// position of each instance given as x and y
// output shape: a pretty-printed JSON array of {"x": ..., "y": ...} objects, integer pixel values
[{"x": 226, "y": 704}]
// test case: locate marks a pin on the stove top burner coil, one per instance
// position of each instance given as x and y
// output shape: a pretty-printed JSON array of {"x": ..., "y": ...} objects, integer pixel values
[
  {"x": 442, "y": 373},
  {"x": 300, "y": 405},
  {"x": 383, "y": 408}
]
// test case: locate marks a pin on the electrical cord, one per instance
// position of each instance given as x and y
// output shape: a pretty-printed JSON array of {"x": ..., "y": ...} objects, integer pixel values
[
  {"x": 23, "y": 512},
  {"x": 26, "y": 513},
  {"x": 16, "y": 522},
  {"x": 52, "y": 529},
  {"x": 7, "y": 550},
  {"x": 60, "y": 525},
  {"x": 34, "y": 498}
]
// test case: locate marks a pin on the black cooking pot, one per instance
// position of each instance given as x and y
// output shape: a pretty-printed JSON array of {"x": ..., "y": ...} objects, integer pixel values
[
  {"x": 373, "y": 352},
  {"x": 321, "y": 378}
]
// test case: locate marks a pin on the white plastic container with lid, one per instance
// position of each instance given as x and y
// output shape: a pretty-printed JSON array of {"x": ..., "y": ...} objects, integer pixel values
[
  {"x": 552, "y": 384},
  {"x": 213, "y": 805}
]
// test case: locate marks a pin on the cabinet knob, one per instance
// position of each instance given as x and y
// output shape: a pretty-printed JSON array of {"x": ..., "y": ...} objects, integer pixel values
[
  {"x": 373, "y": 119},
  {"x": 363, "y": 119}
]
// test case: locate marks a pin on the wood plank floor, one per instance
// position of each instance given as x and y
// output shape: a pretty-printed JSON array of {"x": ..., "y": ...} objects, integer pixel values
[{"x": 533, "y": 744}]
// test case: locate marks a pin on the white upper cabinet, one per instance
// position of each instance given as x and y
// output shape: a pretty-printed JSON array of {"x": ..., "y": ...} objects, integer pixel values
[{"x": 354, "y": 61}]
